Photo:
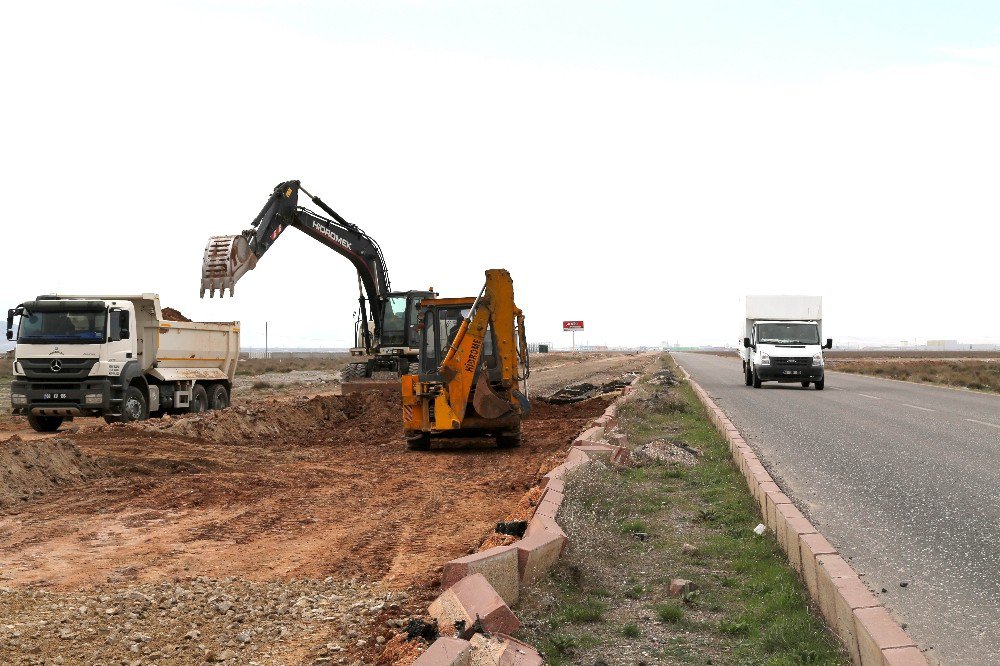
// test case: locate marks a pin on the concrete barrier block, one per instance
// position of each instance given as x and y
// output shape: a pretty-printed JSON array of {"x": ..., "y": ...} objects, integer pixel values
[
  {"x": 459, "y": 607},
  {"x": 877, "y": 632},
  {"x": 503, "y": 651},
  {"x": 774, "y": 500},
  {"x": 590, "y": 435},
  {"x": 549, "y": 506},
  {"x": 850, "y": 594},
  {"x": 574, "y": 459},
  {"x": 795, "y": 527},
  {"x": 829, "y": 569},
  {"x": 537, "y": 553},
  {"x": 446, "y": 651},
  {"x": 621, "y": 456},
  {"x": 904, "y": 656},
  {"x": 601, "y": 452},
  {"x": 498, "y": 565},
  {"x": 611, "y": 410},
  {"x": 812, "y": 546},
  {"x": 618, "y": 439},
  {"x": 540, "y": 523}
]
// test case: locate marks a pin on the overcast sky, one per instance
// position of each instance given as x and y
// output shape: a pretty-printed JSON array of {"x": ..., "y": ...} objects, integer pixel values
[{"x": 639, "y": 166}]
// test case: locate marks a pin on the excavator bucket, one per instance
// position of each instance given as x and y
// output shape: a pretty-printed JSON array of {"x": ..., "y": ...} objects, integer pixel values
[
  {"x": 487, "y": 403},
  {"x": 226, "y": 259}
]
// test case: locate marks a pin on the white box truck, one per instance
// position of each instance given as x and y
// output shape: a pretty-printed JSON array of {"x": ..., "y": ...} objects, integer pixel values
[
  {"x": 782, "y": 340},
  {"x": 116, "y": 357}
]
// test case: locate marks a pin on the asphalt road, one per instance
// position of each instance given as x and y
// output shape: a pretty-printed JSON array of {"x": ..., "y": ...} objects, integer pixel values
[{"x": 904, "y": 479}]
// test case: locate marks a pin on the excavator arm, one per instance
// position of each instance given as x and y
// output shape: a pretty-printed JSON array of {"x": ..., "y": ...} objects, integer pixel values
[{"x": 228, "y": 258}]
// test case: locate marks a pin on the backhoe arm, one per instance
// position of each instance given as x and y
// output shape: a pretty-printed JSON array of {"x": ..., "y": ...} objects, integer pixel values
[{"x": 462, "y": 367}]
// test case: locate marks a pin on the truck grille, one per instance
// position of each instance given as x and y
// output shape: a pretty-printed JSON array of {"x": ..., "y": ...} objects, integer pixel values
[
  {"x": 791, "y": 362},
  {"x": 68, "y": 368}
]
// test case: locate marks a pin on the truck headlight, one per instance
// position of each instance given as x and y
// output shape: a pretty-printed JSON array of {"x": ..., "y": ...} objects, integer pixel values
[
  {"x": 18, "y": 399},
  {"x": 818, "y": 359},
  {"x": 94, "y": 399},
  {"x": 765, "y": 359}
]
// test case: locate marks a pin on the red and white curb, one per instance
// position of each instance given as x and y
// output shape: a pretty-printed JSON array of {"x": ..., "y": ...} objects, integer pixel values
[
  {"x": 479, "y": 589},
  {"x": 870, "y": 634}
]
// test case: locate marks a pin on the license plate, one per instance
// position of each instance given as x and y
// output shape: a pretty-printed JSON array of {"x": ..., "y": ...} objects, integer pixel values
[
  {"x": 792, "y": 372},
  {"x": 53, "y": 396}
]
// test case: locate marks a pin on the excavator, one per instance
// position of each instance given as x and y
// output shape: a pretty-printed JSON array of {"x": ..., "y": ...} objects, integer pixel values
[
  {"x": 473, "y": 368},
  {"x": 389, "y": 339}
]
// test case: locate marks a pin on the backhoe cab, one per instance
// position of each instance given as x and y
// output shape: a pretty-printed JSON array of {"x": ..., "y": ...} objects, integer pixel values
[{"x": 472, "y": 360}]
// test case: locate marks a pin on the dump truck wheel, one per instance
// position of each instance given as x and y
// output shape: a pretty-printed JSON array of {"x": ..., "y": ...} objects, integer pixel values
[
  {"x": 44, "y": 423},
  {"x": 218, "y": 397},
  {"x": 747, "y": 375},
  {"x": 756, "y": 379},
  {"x": 199, "y": 399},
  {"x": 820, "y": 384},
  {"x": 134, "y": 407},
  {"x": 419, "y": 442}
]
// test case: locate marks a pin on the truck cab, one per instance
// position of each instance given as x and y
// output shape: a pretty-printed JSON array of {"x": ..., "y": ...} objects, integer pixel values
[{"x": 785, "y": 351}]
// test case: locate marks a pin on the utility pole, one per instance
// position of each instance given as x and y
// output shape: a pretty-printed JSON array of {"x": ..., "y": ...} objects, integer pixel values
[{"x": 267, "y": 354}]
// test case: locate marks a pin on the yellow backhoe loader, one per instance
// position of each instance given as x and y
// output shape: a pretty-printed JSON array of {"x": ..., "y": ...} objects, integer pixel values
[{"x": 473, "y": 368}]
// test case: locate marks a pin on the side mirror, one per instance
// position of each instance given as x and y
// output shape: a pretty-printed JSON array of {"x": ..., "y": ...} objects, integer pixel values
[
  {"x": 829, "y": 344},
  {"x": 746, "y": 343},
  {"x": 10, "y": 324}
]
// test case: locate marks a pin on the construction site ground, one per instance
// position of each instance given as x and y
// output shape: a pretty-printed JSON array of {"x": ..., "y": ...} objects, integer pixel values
[{"x": 292, "y": 528}]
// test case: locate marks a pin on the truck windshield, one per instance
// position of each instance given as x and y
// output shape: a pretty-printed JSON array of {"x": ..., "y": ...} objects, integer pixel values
[
  {"x": 56, "y": 327},
  {"x": 788, "y": 334}
]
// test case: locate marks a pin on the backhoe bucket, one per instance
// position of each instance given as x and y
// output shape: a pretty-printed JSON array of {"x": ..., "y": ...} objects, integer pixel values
[
  {"x": 226, "y": 259},
  {"x": 487, "y": 403}
]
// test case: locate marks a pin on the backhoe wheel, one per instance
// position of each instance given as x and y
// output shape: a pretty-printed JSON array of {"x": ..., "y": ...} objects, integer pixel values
[
  {"x": 419, "y": 442},
  {"x": 44, "y": 423},
  {"x": 134, "y": 407},
  {"x": 199, "y": 400},
  {"x": 820, "y": 384},
  {"x": 805, "y": 384},
  {"x": 756, "y": 378},
  {"x": 218, "y": 397},
  {"x": 509, "y": 440}
]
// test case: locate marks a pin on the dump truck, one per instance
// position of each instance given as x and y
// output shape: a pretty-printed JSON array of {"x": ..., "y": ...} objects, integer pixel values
[
  {"x": 781, "y": 341},
  {"x": 473, "y": 368},
  {"x": 116, "y": 357},
  {"x": 385, "y": 333}
]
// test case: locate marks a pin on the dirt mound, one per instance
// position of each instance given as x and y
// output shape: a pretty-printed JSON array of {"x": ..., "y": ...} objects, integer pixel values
[
  {"x": 28, "y": 469},
  {"x": 169, "y": 314},
  {"x": 303, "y": 421}
]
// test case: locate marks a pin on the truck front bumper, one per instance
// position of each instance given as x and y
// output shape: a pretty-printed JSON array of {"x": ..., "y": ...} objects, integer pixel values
[
  {"x": 84, "y": 398},
  {"x": 777, "y": 373}
]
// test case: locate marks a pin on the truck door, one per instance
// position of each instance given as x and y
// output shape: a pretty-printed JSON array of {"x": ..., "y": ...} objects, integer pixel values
[{"x": 121, "y": 337}]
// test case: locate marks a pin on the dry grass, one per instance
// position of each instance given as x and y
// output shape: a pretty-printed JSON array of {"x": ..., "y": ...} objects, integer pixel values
[
  {"x": 261, "y": 366},
  {"x": 979, "y": 375}
]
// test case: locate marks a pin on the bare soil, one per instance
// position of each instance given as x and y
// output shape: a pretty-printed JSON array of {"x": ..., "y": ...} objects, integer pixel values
[{"x": 246, "y": 504}]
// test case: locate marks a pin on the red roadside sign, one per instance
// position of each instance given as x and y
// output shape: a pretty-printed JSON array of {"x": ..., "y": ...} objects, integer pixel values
[{"x": 572, "y": 325}]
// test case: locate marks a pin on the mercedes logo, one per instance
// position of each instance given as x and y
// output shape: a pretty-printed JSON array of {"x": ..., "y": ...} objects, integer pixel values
[{"x": 56, "y": 365}]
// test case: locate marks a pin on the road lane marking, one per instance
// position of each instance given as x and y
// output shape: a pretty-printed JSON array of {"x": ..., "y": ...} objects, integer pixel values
[
  {"x": 873, "y": 397},
  {"x": 924, "y": 409},
  {"x": 992, "y": 425}
]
